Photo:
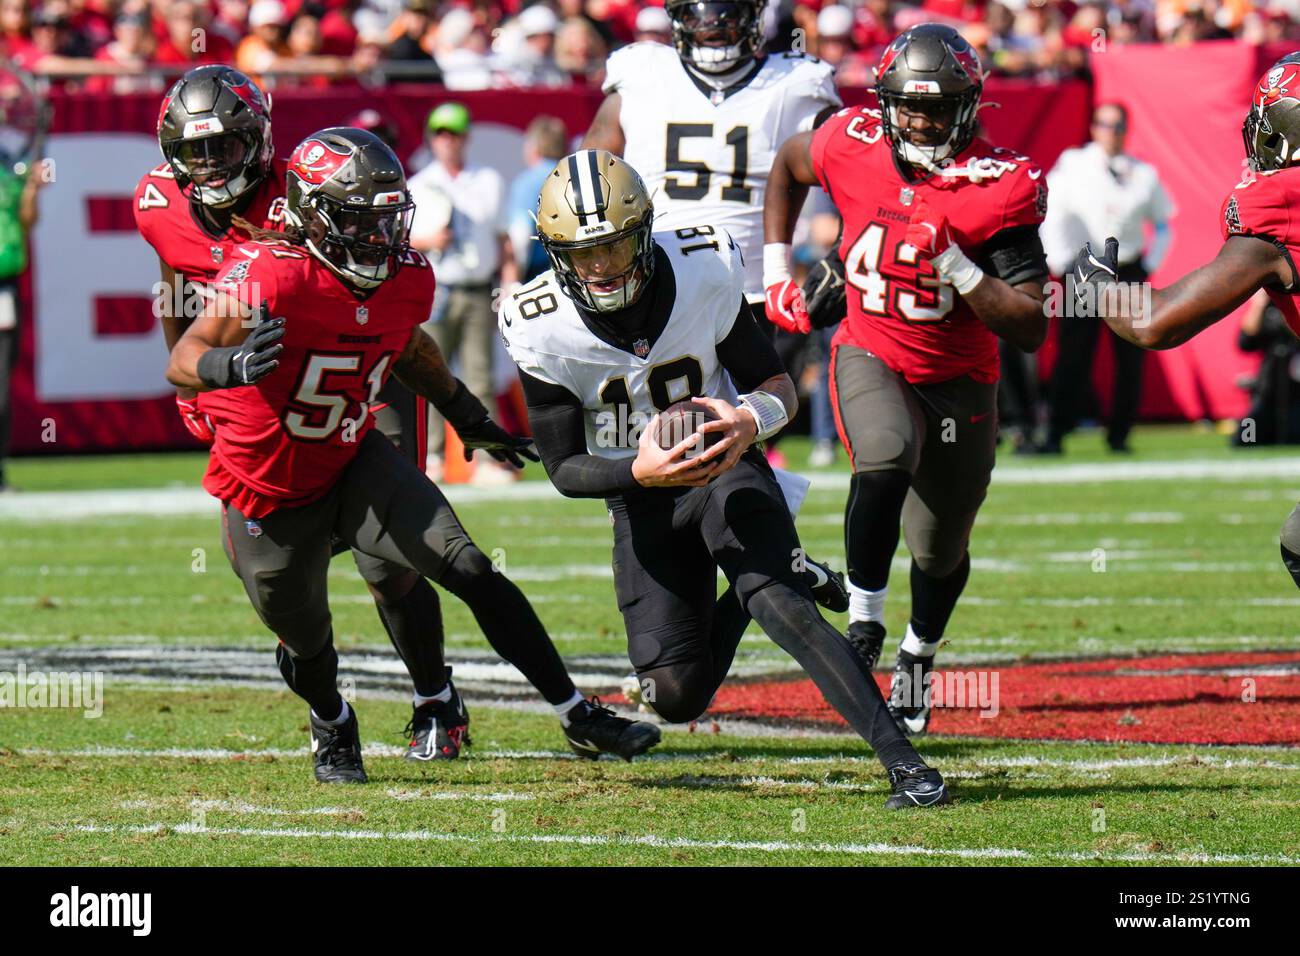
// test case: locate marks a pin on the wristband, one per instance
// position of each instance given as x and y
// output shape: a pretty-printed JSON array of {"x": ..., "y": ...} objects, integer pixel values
[
  {"x": 955, "y": 268},
  {"x": 768, "y": 411},
  {"x": 776, "y": 263}
]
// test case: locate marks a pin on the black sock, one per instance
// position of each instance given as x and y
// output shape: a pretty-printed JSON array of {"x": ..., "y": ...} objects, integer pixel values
[
  {"x": 791, "y": 619},
  {"x": 871, "y": 522},
  {"x": 933, "y": 599},
  {"x": 314, "y": 679},
  {"x": 414, "y": 625},
  {"x": 508, "y": 622}
]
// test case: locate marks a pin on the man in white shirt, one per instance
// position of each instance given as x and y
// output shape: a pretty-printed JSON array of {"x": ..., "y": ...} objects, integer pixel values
[
  {"x": 471, "y": 255},
  {"x": 1097, "y": 191}
]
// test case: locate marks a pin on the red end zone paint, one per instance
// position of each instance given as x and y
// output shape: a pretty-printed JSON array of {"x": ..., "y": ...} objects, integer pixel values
[{"x": 1186, "y": 698}]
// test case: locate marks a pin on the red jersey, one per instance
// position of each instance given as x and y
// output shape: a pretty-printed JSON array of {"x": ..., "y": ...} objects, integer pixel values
[
  {"x": 897, "y": 308},
  {"x": 1262, "y": 206},
  {"x": 165, "y": 219},
  {"x": 285, "y": 441}
]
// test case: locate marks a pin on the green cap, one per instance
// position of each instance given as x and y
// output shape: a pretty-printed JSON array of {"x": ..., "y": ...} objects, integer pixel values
[{"x": 449, "y": 116}]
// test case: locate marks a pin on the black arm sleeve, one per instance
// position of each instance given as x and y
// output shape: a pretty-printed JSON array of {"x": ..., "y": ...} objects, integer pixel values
[
  {"x": 560, "y": 432},
  {"x": 747, "y": 354},
  {"x": 1014, "y": 255}
]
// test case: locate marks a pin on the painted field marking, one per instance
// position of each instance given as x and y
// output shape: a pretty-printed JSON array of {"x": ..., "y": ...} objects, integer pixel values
[{"x": 684, "y": 843}]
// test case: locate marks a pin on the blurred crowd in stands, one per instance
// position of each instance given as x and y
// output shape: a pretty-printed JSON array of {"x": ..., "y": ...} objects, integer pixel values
[{"x": 127, "y": 45}]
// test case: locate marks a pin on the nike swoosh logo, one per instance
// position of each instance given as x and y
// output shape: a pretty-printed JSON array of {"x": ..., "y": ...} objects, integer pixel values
[
  {"x": 818, "y": 573},
  {"x": 1035, "y": 173},
  {"x": 976, "y": 419},
  {"x": 251, "y": 255},
  {"x": 585, "y": 745},
  {"x": 927, "y": 799}
]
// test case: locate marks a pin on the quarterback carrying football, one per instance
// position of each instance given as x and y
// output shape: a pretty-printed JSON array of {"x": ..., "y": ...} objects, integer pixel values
[
  {"x": 700, "y": 122},
  {"x": 627, "y": 323},
  {"x": 1261, "y": 242},
  {"x": 941, "y": 256},
  {"x": 295, "y": 458},
  {"x": 221, "y": 181}
]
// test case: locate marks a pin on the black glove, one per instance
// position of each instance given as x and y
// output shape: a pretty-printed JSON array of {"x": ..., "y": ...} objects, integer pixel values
[
  {"x": 1093, "y": 273},
  {"x": 476, "y": 429},
  {"x": 823, "y": 292},
  {"x": 238, "y": 365}
]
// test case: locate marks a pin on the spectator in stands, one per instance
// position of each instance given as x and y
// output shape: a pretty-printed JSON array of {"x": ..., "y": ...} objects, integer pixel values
[
  {"x": 188, "y": 40},
  {"x": 580, "y": 51},
  {"x": 1097, "y": 191},
  {"x": 460, "y": 48},
  {"x": 338, "y": 33},
  {"x": 578, "y": 9},
  {"x": 231, "y": 20},
  {"x": 835, "y": 45},
  {"x": 265, "y": 43},
  {"x": 545, "y": 144},
  {"x": 131, "y": 50},
  {"x": 413, "y": 26},
  {"x": 653, "y": 25},
  {"x": 15, "y": 29},
  {"x": 531, "y": 62},
  {"x": 471, "y": 258}
]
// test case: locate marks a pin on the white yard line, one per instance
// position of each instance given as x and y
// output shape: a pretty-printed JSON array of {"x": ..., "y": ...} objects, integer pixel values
[
  {"x": 651, "y": 841},
  {"x": 1188, "y": 760},
  {"x": 163, "y": 502}
]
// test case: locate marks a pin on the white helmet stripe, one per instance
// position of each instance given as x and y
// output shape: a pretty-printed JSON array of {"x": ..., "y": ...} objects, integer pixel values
[{"x": 585, "y": 176}]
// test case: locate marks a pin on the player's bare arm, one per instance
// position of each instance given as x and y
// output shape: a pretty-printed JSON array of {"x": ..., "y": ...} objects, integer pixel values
[
  {"x": 223, "y": 348},
  {"x": 787, "y": 188},
  {"x": 1182, "y": 310},
  {"x": 1013, "y": 312},
  {"x": 606, "y": 130},
  {"x": 424, "y": 371}
]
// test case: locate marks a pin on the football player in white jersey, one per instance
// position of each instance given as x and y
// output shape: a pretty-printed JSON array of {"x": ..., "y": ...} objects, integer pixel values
[
  {"x": 705, "y": 118},
  {"x": 627, "y": 322}
]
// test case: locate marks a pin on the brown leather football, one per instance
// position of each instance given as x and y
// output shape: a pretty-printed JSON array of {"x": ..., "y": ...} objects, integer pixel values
[{"x": 677, "y": 422}]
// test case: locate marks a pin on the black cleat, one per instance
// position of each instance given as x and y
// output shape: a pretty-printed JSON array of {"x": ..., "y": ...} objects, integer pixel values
[
  {"x": 867, "y": 638},
  {"x": 337, "y": 751},
  {"x": 594, "y": 730},
  {"x": 916, "y": 785},
  {"x": 909, "y": 693},
  {"x": 438, "y": 731},
  {"x": 827, "y": 585}
]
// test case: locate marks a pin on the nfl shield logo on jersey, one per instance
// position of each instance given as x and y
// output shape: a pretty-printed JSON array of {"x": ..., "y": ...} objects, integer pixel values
[
  {"x": 217, "y": 253},
  {"x": 906, "y": 195},
  {"x": 363, "y": 315},
  {"x": 641, "y": 348}
]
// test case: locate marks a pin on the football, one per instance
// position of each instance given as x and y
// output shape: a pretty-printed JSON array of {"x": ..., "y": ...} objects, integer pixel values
[{"x": 677, "y": 422}]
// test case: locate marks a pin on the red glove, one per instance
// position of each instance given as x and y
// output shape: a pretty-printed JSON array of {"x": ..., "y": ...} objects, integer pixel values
[
  {"x": 928, "y": 231},
  {"x": 785, "y": 307},
  {"x": 196, "y": 422}
]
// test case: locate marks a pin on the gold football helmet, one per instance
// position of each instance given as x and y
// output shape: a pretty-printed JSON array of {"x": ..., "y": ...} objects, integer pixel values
[{"x": 594, "y": 218}]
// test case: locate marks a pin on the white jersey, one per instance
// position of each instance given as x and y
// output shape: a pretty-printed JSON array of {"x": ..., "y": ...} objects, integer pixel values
[
  {"x": 547, "y": 338},
  {"x": 705, "y": 156}
]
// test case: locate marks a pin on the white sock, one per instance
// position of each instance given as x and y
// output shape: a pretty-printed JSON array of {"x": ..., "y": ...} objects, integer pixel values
[
  {"x": 442, "y": 697},
  {"x": 917, "y": 646},
  {"x": 562, "y": 710},
  {"x": 867, "y": 605},
  {"x": 338, "y": 721}
]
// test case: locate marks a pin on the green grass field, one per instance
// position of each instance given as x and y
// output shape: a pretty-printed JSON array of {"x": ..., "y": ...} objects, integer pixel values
[{"x": 1179, "y": 556}]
